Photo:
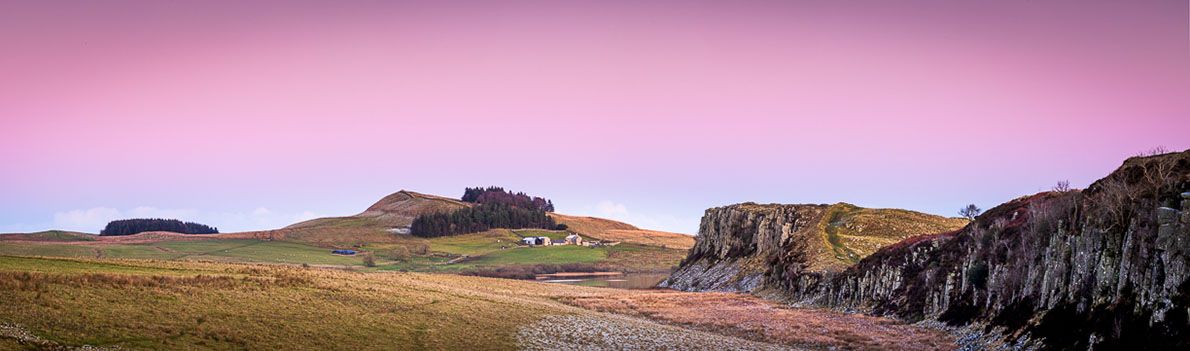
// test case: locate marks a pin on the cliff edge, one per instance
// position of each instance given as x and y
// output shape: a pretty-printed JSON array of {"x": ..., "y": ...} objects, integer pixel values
[{"x": 1101, "y": 268}]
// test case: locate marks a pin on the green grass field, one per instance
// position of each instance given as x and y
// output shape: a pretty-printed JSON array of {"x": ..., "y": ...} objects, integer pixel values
[
  {"x": 393, "y": 252},
  {"x": 475, "y": 244},
  {"x": 554, "y": 235},
  {"x": 542, "y": 255}
]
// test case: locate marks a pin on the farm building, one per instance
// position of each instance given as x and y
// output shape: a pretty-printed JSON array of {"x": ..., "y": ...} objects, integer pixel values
[
  {"x": 536, "y": 240},
  {"x": 343, "y": 252},
  {"x": 574, "y": 239}
]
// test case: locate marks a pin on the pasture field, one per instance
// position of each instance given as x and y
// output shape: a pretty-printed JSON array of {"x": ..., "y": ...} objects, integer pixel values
[{"x": 469, "y": 253}]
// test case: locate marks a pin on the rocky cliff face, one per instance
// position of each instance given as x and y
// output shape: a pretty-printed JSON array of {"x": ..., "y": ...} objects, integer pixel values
[
  {"x": 738, "y": 245},
  {"x": 735, "y": 244},
  {"x": 1104, "y": 268}
]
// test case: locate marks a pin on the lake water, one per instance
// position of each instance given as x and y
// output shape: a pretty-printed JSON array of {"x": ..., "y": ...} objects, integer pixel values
[{"x": 621, "y": 281}]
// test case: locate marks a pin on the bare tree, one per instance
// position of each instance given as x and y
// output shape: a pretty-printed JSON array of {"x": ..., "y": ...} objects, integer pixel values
[
  {"x": 970, "y": 212},
  {"x": 1159, "y": 150},
  {"x": 1063, "y": 186},
  {"x": 1159, "y": 177}
]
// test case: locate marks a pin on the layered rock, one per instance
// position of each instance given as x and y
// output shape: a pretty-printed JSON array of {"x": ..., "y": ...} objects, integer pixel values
[
  {"x": 738, "y": 245},
  {"x": 1103, "y": 268},
  {"x": 735, "y": 244}
]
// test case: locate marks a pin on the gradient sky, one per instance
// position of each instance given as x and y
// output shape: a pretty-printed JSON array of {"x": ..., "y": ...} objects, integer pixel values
[{"x": 255, "y": 114}]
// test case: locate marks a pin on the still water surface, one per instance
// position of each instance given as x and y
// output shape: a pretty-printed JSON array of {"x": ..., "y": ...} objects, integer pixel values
[{"x": 620, "y": 281}]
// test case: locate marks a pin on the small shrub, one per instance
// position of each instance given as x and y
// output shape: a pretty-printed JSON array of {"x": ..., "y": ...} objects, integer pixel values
[
  {"x": 977, "y": 275},
  {"x": 369, "y": 260}
]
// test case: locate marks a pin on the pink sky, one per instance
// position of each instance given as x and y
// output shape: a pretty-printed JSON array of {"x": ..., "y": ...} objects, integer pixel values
[{"x": 648, "y": 112}]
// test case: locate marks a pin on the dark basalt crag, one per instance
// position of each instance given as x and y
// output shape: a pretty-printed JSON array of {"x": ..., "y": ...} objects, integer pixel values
[{"x": 1102, "y": 268}]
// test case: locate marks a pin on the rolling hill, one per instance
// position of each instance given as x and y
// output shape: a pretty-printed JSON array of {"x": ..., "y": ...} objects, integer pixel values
[
  {"x": 609, "y": 230},
  {"x": 381, "y": 231},
  {"x": 396, "y": 210}
]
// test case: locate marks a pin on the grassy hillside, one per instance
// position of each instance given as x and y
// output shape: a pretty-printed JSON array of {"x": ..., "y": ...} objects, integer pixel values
[
  {"x": 852, "y": 233},
  {"x": 171, "y": 305},
  {"x": 609, "y": 230},
  {"x": 374, "y": 232},
  {"x": 49, "y": 235},
  {"x": 395, "y": 210},
  {"x": 496, "y": 250}
]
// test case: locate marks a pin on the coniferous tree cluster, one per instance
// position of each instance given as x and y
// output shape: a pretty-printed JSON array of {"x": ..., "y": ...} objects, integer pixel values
[
  {"x": 478, "y": 219},
  {"x": 138, "y": 225},
  {"x": 494, "y": 195}
]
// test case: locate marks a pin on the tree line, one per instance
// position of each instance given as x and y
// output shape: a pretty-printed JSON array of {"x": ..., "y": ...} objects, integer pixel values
[
  {"x": 479, "y": 218},
  {"x": 139, "y": 225},
  {"x": 494, "y": 195}
]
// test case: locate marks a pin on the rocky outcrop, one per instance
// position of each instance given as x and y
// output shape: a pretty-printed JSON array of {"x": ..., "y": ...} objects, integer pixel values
[
  {"x": 1103, "y": 268},
  {"x": 738, "y": 245},
  {"x": 735, "y": 244}
]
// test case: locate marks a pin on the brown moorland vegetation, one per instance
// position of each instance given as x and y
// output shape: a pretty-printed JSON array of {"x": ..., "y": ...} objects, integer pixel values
[
  {"x": 753, "y": 318},
  {"x": 138, "y": 304}
]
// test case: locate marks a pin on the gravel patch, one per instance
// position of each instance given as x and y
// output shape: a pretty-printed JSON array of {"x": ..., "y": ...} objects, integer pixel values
[
  {"x": 23, "y": 336},
  {"x": 576, "y": 332}
]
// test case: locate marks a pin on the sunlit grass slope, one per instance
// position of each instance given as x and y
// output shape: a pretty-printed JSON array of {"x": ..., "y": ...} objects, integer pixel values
[{"x": 186, "y": 305}]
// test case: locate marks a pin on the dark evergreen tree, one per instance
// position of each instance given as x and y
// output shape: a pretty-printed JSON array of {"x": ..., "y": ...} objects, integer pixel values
[
  {"x": 494, "y": 195},
  {"x": 479, "y": 218},
  {"x": 138, "y": 225}
]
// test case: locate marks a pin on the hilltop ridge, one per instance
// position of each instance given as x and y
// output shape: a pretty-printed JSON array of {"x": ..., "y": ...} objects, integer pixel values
[{"x": 397, "y": 210}]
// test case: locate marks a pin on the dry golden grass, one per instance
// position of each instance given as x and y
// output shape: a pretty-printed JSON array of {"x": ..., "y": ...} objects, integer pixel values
[
  {"x": 173, "y": 305},
  {"x": 135, "y": 304},
  {"x": 851, "y": 233},
  {"x": 649, "y": 237},
  {"x": 609, "y": 230},
  {"x": 590, "y": 226}
]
